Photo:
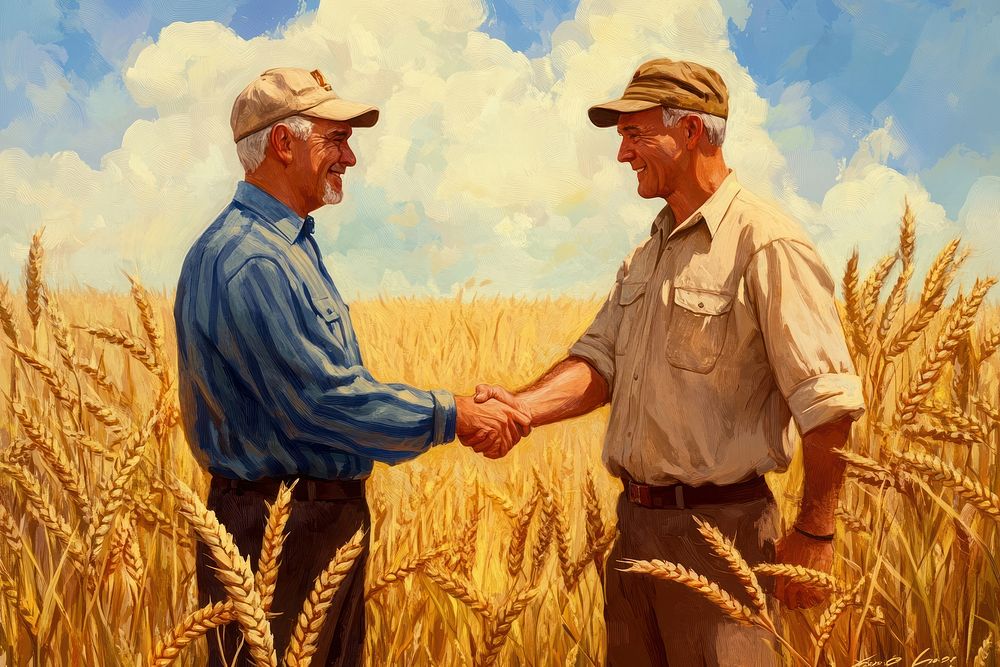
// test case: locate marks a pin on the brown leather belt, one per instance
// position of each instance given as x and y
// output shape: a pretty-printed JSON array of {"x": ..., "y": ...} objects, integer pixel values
[
  {"x": 682, "y": 496},
  {"x": 306, "y": 489}
]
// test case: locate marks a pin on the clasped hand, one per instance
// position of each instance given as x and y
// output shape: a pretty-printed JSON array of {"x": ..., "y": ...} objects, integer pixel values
[{"x": 492, "y": 421}]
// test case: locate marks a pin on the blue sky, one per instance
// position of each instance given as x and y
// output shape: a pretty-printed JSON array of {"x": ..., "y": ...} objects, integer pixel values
[{"x": 907, "y": 85}]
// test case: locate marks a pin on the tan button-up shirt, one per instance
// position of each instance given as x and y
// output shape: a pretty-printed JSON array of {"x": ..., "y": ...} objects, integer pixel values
[{"x": 721, "y": 333}]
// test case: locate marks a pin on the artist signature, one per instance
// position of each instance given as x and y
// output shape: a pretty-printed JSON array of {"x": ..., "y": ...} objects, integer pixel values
[{"x": 923, "y": 659}]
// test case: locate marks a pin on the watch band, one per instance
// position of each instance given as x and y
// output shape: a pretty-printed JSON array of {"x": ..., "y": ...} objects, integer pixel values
[{"x": 821, "y": 538}]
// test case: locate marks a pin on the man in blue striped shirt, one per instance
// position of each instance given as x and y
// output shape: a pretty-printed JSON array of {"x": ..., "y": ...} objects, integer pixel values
[{"x": 272, "y": 383}]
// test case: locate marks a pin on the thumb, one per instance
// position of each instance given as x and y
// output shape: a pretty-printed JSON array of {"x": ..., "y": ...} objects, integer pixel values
[{"x": 484, "y": 392}]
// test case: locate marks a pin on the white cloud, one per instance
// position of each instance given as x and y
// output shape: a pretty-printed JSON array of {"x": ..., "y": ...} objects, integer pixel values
[{"x": 483, "y": 163}]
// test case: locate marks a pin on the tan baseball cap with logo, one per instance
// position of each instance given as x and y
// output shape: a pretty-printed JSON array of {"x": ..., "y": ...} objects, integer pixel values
[
  {"x": 283, "y": 92},
  {"x": 667, "y": 83}
]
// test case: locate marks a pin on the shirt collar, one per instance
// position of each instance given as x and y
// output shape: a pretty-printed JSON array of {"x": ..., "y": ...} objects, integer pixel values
[
  {"x": 712, "y": 211},
  {"x": 273, "y": 211}
]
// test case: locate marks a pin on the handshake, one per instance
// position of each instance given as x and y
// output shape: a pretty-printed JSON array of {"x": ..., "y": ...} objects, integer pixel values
[{"x": 492, "y": 421}]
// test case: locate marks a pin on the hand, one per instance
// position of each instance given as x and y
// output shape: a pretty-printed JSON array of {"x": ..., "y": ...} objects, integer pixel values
[
  {"x": 490, "y": 428},
  {"x": 485, "y": 392},
  {"x": 797, "y": 549}
]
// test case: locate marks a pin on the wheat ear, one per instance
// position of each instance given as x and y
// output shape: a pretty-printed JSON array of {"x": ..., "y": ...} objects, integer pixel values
[
  {"x": 459, "y": 589},
  {"x": 34, "y": 284},
  {"x": 984, "y": 652},
  {"x": 967, "y": 487},
  {"x": 499, "y": 627},
  {"x": 710, "y": 590},
  {"x": 302, "y": 644},
  {"x": 412, "y": 565},
  {"x": 800, "y": 574},
  {"x": 725, "y": 549},
  {"x": 7, "y": 321},
  {"x": 233, "y": 571},
  {"x": 189, "y": 630},
  {"x": 274, "y": 539}
]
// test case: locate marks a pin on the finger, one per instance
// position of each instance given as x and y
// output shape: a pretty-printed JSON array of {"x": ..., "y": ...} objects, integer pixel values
[
  {"x": 486, "y": 443},
  {"x": 477, "y": 438},
  {"x": 484, "y": 392}
]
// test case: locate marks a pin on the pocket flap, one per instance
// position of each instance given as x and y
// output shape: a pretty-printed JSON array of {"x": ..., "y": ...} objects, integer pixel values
[
  {"x": 630, "y": 292},
  {"x": 702, "y": 302},
  {"x": 326, "y": 308}
]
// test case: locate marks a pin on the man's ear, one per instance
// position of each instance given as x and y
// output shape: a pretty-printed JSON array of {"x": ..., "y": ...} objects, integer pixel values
[
  {"x": 694, "y": 128},
  {"x": 280, "y": 143}
]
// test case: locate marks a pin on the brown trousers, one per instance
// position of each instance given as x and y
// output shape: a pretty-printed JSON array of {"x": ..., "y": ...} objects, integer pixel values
[
  {"x": 315, "y": 529},
  {"x": 665, "y": 624}
]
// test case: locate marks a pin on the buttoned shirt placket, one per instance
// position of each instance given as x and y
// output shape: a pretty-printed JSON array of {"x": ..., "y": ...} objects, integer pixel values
[{"x": 660, "y": 280}]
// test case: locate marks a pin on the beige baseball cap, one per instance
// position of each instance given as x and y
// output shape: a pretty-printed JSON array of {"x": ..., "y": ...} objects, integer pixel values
[
  {"x": 288, "y": 91},
  {"x": 667, "y": 83}
]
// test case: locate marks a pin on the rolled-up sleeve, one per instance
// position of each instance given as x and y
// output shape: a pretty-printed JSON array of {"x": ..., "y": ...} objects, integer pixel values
[
  {"x": 597, "y": 344},
  {"x": 794, "y": 298},
  {"x": 310, "y": 396}
]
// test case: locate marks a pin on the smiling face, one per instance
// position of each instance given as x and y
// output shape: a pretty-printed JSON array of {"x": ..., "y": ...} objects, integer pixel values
[
  {"x": 656, "y": 153},
  {"x": 319, "y": 162}
]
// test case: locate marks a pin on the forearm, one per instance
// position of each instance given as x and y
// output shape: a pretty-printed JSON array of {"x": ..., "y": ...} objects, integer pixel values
[
  {"x": 570, "y": 389},
  {"x": 824, "y": 475}
]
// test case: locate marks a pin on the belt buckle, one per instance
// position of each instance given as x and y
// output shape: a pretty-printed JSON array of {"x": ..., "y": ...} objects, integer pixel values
[
  {"x": 311, "y": 489},
  {"x": 679, "y": 496},
  {"x": 639, "y": 494}
]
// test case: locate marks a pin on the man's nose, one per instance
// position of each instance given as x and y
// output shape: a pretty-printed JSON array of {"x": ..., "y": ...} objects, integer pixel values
[
  {"x": 625, "y": 153},
  {"x": 348, "y": 158}
]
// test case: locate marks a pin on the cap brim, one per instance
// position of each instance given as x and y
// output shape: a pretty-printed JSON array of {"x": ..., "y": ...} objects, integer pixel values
[
  {"x": 355, "y": 113},
  {"x": 606, "y": 115}
]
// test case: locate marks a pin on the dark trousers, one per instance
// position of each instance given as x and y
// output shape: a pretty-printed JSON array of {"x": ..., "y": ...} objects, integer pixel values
[
  {"x": 658, "y": 623},
  {"x": 315, "y": 529}
]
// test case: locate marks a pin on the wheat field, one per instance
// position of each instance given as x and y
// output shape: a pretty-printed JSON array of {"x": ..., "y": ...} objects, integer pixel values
[{"x": 477, "y": 562}]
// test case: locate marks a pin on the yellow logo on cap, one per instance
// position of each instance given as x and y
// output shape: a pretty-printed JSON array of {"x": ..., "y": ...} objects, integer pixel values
[{"x": 316, "y": 74}]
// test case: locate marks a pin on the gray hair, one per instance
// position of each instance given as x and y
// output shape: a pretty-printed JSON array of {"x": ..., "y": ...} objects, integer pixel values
[
  {"x": 250, "y": 148},
  {"x": 715, "y": 126}
]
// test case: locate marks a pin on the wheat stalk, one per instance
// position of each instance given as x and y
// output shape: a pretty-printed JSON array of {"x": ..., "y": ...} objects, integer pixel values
[
  {"x": 940, "y": 471},
  {"x": 852, "y": 303},
  {"x": 459, "y": 589},
  {"x": 190, "y": 629},
  {"x": 931, "y": 299},
  {"x": 60, "y": 331},
  {"x": 130, "y": 343},
  {"x": 9, "y": 530},
  {"x": 800, "y": 574},
  {"x": 27, "y": 612},
  {"x": 710, "y": 590},
  {"x": 958, "y": 324},
  {"x": 595, "y": 553},
  {"x": 302, "y": 644},
  {"x": 54, "y": 456},
  {"x": 871, "y": 291},
  {"x": 43, "y": 509},
  {"x": 7, "y": 321},
  {"x": 34, "y": 285},
  {"x": 410, "y": 566},
  {"x": 725, "y": 549},
  {"x": 233, "y": 571},
  {"x": 49, "y": 374},
  {"x": 830, "y": 617},
  {"x": 274, "y": 539},
  {"x": 907, "y": 234},
  {"x": 519, "y": 535},
  {"x": 499, "y": 626},
  {"x": 112, "y": 495}
]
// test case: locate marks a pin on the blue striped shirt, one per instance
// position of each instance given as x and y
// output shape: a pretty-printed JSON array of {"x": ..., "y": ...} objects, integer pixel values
[{"x": 272, "y": 383}]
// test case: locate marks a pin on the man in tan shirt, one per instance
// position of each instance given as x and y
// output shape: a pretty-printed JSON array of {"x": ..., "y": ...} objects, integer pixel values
[{"x": 720, "y": 336}]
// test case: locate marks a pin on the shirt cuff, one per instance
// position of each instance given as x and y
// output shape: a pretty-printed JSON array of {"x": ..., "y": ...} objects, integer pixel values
[
  {"x": 825, "y": 398},
  {"x": 601, "y": 361},
  {"x": 445, "y": 416}
]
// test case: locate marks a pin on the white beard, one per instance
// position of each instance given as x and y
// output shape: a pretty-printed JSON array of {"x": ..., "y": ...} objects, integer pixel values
[{"x": 331, "y": 196}]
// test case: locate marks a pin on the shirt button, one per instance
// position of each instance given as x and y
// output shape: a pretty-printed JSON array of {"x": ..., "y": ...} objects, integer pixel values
[
  {"x": 701, "y": 305},
  {"x": 329, "y": 310},
  {"x": 635, "y": 377},
  {"x": 670, "y": 247},
  {"x": 629, "y": 434}
]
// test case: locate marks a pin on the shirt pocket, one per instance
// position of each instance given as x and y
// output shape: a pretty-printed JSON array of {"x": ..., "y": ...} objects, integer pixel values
[
  {"x": 630, "y": 299},
  {"x": 697, "y": 328},
  {"x": 329, "y": 316}
]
